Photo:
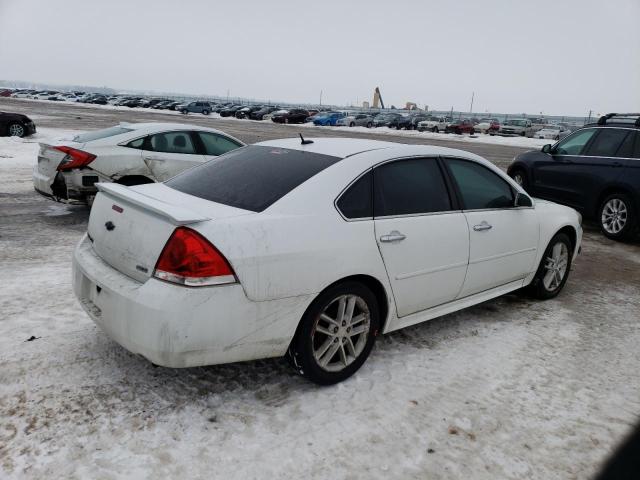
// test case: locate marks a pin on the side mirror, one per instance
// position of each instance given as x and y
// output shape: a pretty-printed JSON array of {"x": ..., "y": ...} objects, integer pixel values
[
  {"x": 546, "y": 148},
  {"x": 522, "y": 200}
]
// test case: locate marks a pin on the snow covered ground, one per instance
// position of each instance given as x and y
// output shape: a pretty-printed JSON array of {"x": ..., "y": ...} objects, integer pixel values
[{"x": 510, "y": 389}]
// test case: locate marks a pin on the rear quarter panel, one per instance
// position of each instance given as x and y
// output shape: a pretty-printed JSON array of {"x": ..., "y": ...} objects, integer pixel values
[{"x": 116, "y": 161}]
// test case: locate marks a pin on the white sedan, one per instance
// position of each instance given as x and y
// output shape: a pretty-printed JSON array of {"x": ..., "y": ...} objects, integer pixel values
[
  {"x": 311, "y": 249},
  {"x": 129, "y": 154},
  {"x": 552, "y": 132}
]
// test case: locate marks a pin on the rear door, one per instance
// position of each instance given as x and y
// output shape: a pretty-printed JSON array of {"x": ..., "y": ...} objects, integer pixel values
[
  {"x": 423, "y": 239},
  {"x": 503, "y": 240},
  {"x": 602, "y": 164},
  {"x": 169, "y": 153},
  {"x": 555, "y": 174}
]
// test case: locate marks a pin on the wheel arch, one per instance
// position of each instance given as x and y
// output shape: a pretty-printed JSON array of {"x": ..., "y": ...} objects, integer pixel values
[
  {"x": 610, "y": 190},
  {"x": 570, "y": 232},
  {"x": 373, "y": 284}
]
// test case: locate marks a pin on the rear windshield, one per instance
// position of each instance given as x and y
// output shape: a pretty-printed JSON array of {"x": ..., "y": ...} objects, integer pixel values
[
  {"x": 98, "y": 134},
  {"x": 252, "y": 177}
]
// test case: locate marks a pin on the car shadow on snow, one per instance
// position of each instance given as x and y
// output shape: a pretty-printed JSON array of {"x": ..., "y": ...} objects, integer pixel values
[{"x": 272, "y": 381}]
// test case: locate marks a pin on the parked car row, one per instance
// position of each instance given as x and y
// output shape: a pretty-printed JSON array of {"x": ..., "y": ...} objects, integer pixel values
[{"x": 416, "y": 120}]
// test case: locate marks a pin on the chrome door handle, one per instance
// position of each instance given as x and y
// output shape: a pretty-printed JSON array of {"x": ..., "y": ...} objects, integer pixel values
[
  {"x": 482, "y": 227},
  {"x": 394, "y": 236}
]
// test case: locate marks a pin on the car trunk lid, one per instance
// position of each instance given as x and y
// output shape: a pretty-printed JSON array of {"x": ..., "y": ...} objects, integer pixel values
[{"x": 129, "y": 227}]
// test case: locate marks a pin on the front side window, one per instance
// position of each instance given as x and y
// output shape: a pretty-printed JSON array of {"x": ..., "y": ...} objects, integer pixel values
[
  {"x": 479, "y": 187},
  {"x": 610, "y": 142},
  {"x": 412, "y": 186},
  {"x": 357, "y": 201},
  {"x": 172, "y": 142},
  {"x": 216, "y": 144},
  {"x": 574, "y": 144}
]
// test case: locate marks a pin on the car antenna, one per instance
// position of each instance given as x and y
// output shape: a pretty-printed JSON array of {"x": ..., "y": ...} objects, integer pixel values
[{"x": 305, "y": 142}]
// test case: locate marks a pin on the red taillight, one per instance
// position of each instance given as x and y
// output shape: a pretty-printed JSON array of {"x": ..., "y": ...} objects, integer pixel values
[
  {"x": 75, "y": 158},
  {"x": 190, "y": 259}
]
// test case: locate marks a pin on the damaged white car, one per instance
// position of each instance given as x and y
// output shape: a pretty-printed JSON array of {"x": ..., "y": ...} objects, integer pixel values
[
  {"x": 128, "y": 154},
  {"x": 311, "y": 249}
]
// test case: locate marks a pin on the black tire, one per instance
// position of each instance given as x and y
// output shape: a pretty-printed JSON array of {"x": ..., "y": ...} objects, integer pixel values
[
  {"x": 435, "y": 130},
  {"x": 627, "y": 214},
  {"x": 472, "y": 132},
  {"x": 205, "y": 112},
  {"x": 369, "y": 125},
  {"x": 301, "y": 350},
  {"x": 352, "y": 124},
  {"x": 523, "y": 134},
  {"x": 519, "y": 173},
  {"x": 16, "y": 130},
  {"x": 184, "y": 111},
  {"x": 538, "y": 288}
]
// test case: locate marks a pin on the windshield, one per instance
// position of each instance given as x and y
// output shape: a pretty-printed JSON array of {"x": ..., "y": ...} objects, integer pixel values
[
  {"x": 252, "y": 177},
  {"x": 517, "y": 123},
  {"x": 99, "y": 134}
]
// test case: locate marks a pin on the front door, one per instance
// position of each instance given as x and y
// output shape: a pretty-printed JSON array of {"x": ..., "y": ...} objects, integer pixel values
[
  {"x": 556, "y": 176},
  {"x": 503, "y": 240},
  {"x": 424, "y": 242}
]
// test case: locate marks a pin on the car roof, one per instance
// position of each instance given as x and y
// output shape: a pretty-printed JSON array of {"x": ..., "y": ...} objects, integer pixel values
[
  {"x": 161, "y": 126},
  {"x": 347, "y": 147}
]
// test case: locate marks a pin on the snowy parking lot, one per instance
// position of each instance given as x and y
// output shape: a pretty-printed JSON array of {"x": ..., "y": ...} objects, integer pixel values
[{"x": 512, "y": 388}]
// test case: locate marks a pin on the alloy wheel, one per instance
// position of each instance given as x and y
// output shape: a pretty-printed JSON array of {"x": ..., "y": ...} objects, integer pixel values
[
  {"x": 556, "y": 266},
  {"x": 519, "y": 179},
  {"x": 340, "y": 333},
  {"x": 16, "y": 130},
  {"x": 614, "y": 216}
]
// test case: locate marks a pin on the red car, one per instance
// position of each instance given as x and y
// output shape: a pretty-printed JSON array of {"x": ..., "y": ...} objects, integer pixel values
[
  {"x": 460, "y": 126},
  {"x": 5, "y": 93}
]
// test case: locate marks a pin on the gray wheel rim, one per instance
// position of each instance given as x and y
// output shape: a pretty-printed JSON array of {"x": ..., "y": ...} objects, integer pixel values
[
  {"x": 556, "y": 266},
  {"x": 16, "y": 130},
  {"x": 340, "y": 333},
  {"x": 614, "y": 216},
  {"x": 518, "y": 178}
]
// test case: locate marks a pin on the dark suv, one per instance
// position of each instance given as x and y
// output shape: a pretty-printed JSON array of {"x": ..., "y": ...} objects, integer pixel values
[{"x": 595, "y": 170}]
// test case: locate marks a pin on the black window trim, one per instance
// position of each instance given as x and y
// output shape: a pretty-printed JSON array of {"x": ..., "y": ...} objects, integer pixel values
[
  {"x": 458, "y": 194},
  {"x": 453, "y": 197}
]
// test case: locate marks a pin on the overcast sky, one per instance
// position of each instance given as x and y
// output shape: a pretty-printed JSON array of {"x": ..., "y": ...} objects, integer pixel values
[{"x": 551, "y": 56}]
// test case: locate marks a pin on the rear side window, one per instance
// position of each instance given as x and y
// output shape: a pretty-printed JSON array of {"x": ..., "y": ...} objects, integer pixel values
[
  {"x": 137, "y": 143},
  {"x": 574, "y": 144},
  {"x": 215, "y": 144},
  {"x": 609, "y": 143},
  {"x": 636, "y": 147},
  {"x": 172, "y": 142},
  {"x": 357, "y": 201},
  {"x": 251, "y": 178},
  {"x": 480, "y": 187},
  {"x": 406, "y": 187},
  {"x": 99, "y": 134}
]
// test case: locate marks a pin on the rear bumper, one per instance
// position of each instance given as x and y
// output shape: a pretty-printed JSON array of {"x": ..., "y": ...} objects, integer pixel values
[{"x": 176, "y": 326}]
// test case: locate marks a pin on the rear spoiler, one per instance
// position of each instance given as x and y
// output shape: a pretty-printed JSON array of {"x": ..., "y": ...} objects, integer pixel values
[{"x": 177, "y": 215}]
